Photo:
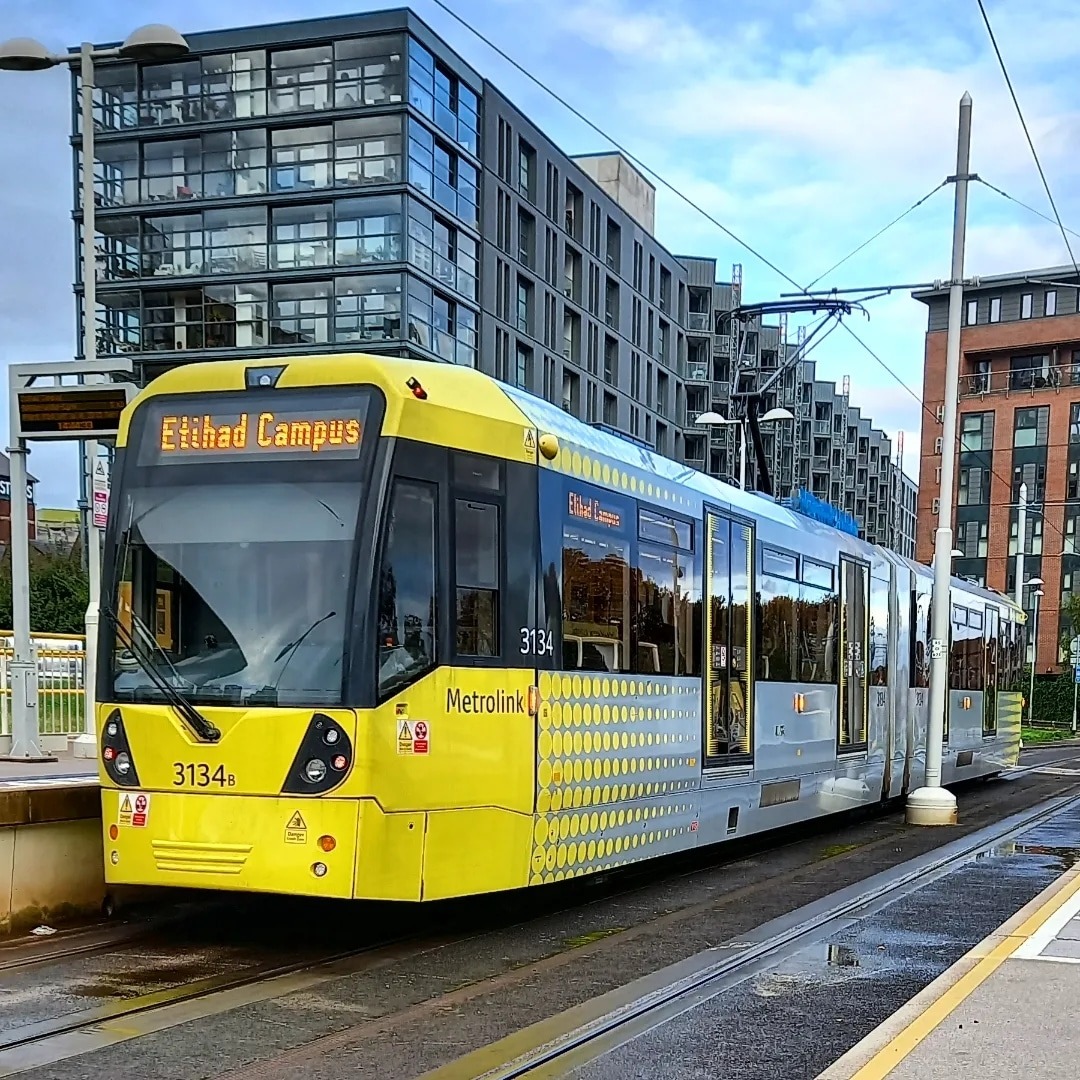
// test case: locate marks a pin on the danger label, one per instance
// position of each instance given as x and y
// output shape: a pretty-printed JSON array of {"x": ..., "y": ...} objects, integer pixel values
[
  {"x": 412, "y": 738},
  {"x": 529, "y": 441},
  {"x": 296, "y": 829},
  {"x": 126, "y": 810},
  {"x": 142, "y": 811}
]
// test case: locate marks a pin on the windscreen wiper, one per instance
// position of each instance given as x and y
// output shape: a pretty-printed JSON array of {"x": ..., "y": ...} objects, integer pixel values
[
  {"x": 294, "y": 645},
  {"x": 183, "y": 708}
]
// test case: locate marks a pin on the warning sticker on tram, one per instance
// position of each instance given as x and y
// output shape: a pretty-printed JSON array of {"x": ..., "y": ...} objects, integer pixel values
[
  {"x": 412, "y": 738},
  {"x": 296, "y": 830},
  {"x": 134, "y": 810},
  {"x": 123, "y": 817}
]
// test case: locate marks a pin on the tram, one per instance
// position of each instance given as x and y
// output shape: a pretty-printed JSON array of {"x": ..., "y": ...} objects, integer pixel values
[{"x": 387, "y": 629}]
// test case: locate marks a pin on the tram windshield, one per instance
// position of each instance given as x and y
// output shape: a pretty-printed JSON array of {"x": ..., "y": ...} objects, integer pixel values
[{"x": 236, "y": 593}]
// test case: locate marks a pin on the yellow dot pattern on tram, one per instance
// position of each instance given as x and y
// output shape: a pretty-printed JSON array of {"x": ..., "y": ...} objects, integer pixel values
[{"x": 618, "y": 770}]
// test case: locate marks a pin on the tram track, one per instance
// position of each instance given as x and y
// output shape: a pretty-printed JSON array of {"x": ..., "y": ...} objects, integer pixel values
[
  {"x": 564, "y": 1043},
  {"x": 76, "y": 1033}
]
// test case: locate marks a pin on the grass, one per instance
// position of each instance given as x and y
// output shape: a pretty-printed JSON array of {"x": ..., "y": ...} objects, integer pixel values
[{"x": 1038, "y": 736}]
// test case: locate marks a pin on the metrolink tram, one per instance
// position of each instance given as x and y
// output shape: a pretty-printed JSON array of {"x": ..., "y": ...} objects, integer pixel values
[{"x": 382, "y": 628}]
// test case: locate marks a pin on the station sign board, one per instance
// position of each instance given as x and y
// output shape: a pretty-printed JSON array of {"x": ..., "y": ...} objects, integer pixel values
[{"x": 83, "y": 411}]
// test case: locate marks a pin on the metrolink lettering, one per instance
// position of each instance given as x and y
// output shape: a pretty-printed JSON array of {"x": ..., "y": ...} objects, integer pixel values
[
  {"x": 207, "y": 433},
  {"x": 474, "y": 702}
]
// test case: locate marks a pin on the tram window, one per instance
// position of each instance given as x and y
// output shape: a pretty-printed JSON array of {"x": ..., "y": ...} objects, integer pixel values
[
  {"x": 477, "y": 473},
  {"x": 665, "y": 530},
  {"x": 880, "y": 590},
  {"x": 814, "y": 573},
  {"x": 596, "y": 602},
  {"x": 817, "y": 612},
  {"x": 779, "y": 631},
  {"x": 958, "y": 649},
  {"x": 406, "y": 613},
  {"x": 975, "y": 667},
  {"x": 920, "y": 640},
  {"x": 476, "y": 544},
  {"x": 663, "y": 621},
  {"x": 779, "y": 563}
]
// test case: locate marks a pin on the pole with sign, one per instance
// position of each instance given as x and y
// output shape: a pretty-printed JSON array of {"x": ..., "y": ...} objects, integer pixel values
[
  {"x": 1074, "y": 656},
  {"x": 56, "y": 411}
]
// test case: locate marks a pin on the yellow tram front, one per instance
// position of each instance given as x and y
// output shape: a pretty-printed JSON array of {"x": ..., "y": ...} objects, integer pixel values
[{"x": 280, "y": 710}]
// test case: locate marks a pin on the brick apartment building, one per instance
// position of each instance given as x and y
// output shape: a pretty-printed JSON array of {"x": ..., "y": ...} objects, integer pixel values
[
  {"x": 1018, "y": 422},
  {"x": 5, "y": 503}
]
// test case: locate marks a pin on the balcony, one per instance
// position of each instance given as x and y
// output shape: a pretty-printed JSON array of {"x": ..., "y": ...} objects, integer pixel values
[
  {"x": 1019, "y": 381},
  {"x": 697, "y": 372},
  {"x": 698, "y": 322},
  {"x": 722, "y": 345},
  {"x": 822, "y": 427}
]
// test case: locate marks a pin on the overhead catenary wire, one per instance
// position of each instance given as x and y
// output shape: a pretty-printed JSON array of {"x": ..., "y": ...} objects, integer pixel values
[
  {"x": 1024, "y": 205},
  {"x": 881, "y": 232},
  {"x": 1027, "y": 134},
  {"x": 693, "y": 204}
]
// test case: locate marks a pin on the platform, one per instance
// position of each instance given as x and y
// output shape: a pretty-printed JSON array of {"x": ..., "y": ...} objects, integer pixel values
[
  {"x": 1008, "y": 1008},
  {"x": 65, "y": 769}
]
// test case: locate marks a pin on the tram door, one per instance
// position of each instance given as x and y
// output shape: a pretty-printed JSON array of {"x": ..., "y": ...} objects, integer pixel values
[
  {"x": 728, "y": 640},
  {"x": 854, "y": 642}
]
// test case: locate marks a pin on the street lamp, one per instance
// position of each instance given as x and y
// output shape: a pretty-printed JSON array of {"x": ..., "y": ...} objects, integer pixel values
[
  {"x": 772, "y": 416},
  {"x": 153, "y": 42},
  {"x": 1034, "y": 646}
]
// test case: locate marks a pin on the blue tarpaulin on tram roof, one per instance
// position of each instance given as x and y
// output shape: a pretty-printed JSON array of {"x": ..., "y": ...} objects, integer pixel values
[{"x": 802, "y": 502}]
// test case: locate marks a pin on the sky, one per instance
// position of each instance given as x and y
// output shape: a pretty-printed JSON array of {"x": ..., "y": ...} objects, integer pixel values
[{"x": 803, "y": 126}]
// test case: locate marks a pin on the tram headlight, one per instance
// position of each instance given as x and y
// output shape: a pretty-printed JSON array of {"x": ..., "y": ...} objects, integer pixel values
[
  {"x": 122, "y": 764},
  {"x": 315, "y": 770}
]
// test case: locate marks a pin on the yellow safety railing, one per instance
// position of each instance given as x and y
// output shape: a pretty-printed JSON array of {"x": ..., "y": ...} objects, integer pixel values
[{"x": 61, "y": 668}]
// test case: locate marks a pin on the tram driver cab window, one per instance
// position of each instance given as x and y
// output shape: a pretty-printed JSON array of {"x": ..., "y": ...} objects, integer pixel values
[{"x": 406, "y": 611}]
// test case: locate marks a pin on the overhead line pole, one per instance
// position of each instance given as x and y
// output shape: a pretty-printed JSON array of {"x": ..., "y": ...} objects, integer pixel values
[{"x": 932, "y": 804}]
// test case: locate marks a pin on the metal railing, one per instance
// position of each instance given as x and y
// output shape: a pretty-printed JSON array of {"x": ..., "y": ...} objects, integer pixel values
[{"x": 61, "y": 672}]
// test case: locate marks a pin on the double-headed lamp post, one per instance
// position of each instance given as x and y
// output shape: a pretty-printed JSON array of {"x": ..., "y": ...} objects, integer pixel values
[
  {"x": 711, "y": 418},
  {"x": 1034, "y": 583},
  {"x": 149, "y": 43}
]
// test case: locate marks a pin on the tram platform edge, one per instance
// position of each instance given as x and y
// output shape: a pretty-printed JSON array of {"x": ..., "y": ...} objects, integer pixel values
[{"x": 1003, "y": 1008}]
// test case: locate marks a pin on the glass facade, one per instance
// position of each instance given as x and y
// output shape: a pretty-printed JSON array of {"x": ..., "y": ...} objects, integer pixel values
[{"x": 316, "y": 195}]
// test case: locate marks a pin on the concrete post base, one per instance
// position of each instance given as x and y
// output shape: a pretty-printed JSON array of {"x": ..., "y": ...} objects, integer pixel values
[
  {"x": 931, "y": 806},
  {"x": 84, "y": 746}
]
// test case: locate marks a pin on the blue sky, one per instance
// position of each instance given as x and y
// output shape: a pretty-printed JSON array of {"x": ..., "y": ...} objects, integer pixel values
[{"x": 803, "y": 125}]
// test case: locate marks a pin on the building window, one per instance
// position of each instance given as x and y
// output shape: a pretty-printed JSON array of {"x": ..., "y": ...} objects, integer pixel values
[
  {"x": 300, "y": 313},
  {"x": 300, "y": 158},
  {"x": 995, "y": 309},
  {"x": 214, "y": 317},
  {"x": 1030, "y": 426},
  {"x": 526, "y": 177},
  {"x": 441, "y": 325},
  {"x": 526, "y": 239},
  {"x": 1026, "y": 305},
  {"x": 970, "y": 487},
  {"x": 524, "y": 306},
  {"x": 367, "y": 71},
  {"x": 444, "y": 252},
  {"x": 300, "y": 79},
  {"x": 976, "y": 432},
  {"x": 972, "y": 312},
  {"x": 441, "y": 174},
  {"x": 116, "y": 173},
  {"x": 1050, "y": 302},
  {"x": 523, "y": 366},
  {"x": 367, "y": 231},
  {"x": 442, "y": 97},
  {"x": 300, "y": 236},
  {"x": 1030, "y": 372},
  {"x": 367, "y": 151},
  {"x": 367, "y": 308}
]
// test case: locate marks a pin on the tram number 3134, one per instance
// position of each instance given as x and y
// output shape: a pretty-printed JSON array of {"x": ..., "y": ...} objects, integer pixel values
[
  {"x": 191, "y": 775},
  {"x": 536, "y": 642}
]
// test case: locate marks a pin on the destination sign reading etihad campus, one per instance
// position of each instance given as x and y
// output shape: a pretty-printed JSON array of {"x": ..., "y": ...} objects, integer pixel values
[{"x": 326, "y": 433}]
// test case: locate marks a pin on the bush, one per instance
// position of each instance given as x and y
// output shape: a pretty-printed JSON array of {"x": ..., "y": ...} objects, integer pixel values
[
  {"x": 1053, "y": 700},
  {"x": 59, "y": 593}
]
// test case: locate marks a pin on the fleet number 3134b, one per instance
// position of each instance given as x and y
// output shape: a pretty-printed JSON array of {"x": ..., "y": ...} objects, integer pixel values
[{"x": 191, "y": 775}]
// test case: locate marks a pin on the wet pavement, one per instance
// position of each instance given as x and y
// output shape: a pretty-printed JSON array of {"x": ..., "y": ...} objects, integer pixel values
[
  {"x": 795, "y": 1020},
  {"x": 414, "y": 1012}
]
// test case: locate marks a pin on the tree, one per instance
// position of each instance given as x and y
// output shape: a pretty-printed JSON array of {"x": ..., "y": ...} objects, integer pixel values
[{"x": 59, "y": 592}]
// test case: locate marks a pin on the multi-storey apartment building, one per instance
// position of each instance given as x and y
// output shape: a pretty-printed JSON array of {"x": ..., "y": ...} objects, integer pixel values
[
  {"x": 351, "y": 183},
  {"x": 1018, "y": 422}
]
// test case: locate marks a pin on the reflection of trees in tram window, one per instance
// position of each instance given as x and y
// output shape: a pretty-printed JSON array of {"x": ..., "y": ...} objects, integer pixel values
[
  {"x": 663, "y": 620},
  {"x": 798, "y": 632},
  {"x": 596, "y": 601}
]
